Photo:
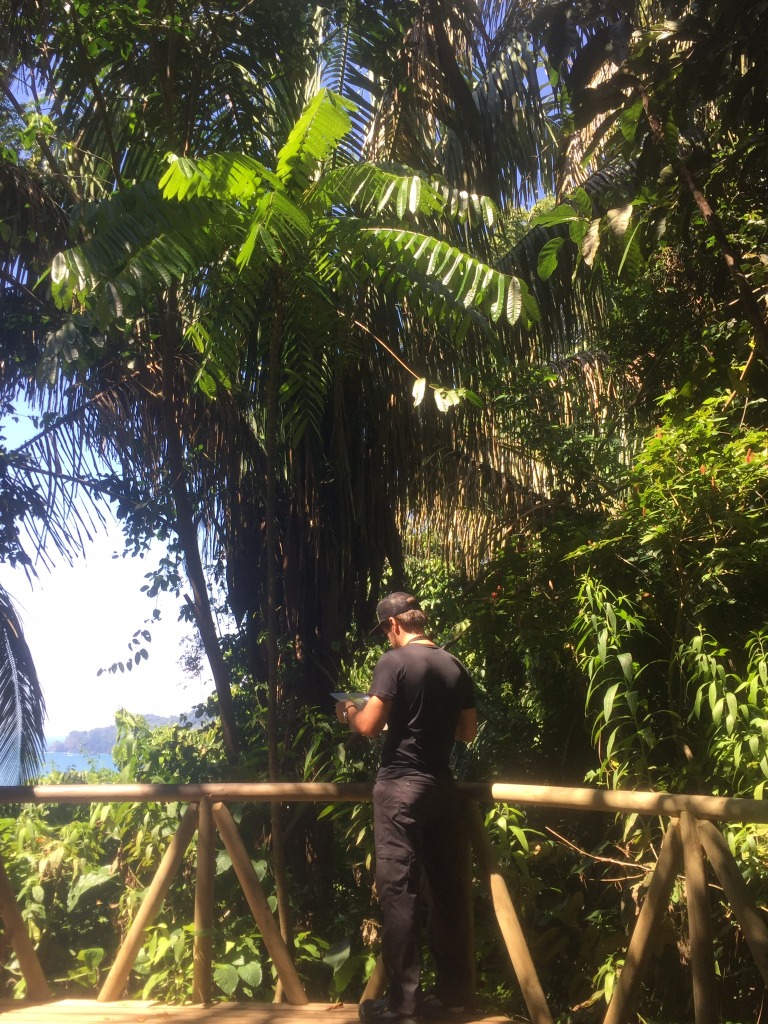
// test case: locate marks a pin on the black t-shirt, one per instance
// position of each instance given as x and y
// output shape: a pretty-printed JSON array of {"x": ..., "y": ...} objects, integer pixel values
[{"x": 428, "y": 689}]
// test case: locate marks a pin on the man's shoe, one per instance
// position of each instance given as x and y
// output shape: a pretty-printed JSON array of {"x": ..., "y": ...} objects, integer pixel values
[
  {"x": 376, "y": 1011},
  {"x": 432, "y": 1008}
]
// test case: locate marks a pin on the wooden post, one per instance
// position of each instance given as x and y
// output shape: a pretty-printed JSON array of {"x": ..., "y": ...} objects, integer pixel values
[
  {"x": 699, "y": 924},
  {"x": 126, "y": 956},
  {"x": 622, "y": 1004},
  {"x": 467, "y": 869},
  {"x": 202, "y": 980},
  {"x": 16, "y": 929},
  {"x": 509, "y": 922},
  {"x": 377, "y": 983},
  {"x": 257, "y": 901},
  {"x": 746, "y": 913}
]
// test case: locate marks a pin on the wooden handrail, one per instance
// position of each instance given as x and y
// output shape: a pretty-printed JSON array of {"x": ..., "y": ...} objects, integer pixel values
[
  {"x": 702, "y": 806},
  {"x": 192, "y": 793},
  {"x": 689, "y": 830},
  {"x": 672, "y": 805}
]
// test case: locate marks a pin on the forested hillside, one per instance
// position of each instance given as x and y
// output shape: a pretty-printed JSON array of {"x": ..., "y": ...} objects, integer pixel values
[
  {"x": 467, "y": 297},
  {"x": 98, "y": 741}
]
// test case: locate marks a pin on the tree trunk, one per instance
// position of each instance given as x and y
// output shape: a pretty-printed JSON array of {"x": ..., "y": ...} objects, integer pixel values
[
  {"x": 186, "y": 529},
  {"x": 272, "y": 558}
]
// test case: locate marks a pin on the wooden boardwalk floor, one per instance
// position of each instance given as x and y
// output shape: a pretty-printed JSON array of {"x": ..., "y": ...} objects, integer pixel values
[{"x": 88, "y": 1011}]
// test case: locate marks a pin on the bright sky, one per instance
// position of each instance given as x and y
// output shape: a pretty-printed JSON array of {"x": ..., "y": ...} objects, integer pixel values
[{"x": 81, "y": 618}]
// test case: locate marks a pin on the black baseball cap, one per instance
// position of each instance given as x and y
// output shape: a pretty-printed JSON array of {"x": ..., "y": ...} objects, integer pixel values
[{"x": 392, "y": 605}]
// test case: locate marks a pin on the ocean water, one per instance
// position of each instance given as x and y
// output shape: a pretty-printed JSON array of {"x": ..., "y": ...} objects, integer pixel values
[{"x": 62, "y": 762}]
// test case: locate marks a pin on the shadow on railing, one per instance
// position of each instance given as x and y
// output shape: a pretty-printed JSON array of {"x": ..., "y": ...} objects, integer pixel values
[{"x": 690, "y": 835}]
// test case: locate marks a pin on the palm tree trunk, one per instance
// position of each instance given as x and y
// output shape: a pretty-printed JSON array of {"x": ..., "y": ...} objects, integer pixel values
[
  {"x": 186, "y": 530},
  {"x": 273, "y": 555}
]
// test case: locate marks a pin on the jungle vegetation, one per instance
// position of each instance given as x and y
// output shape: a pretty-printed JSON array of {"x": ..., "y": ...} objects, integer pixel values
[{"x": 464, "y": 296}]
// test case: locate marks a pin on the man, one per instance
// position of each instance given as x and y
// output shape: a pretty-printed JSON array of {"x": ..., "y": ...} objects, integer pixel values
[{"x": 423, "y": 695}]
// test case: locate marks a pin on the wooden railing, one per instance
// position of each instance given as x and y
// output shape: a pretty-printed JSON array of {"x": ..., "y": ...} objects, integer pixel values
[{"x": 689, "y": 837}]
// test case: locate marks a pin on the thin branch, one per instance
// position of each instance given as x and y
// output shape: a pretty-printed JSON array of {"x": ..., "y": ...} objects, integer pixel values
[
  {"x": 603, "y": 860},
  {"x": 15, "y": 283}
]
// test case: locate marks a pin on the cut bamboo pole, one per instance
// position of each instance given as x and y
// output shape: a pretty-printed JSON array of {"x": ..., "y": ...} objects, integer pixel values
[
  {"x": 509, "y": 923},
  {"x": 202, "y": 980},
  {"x": 126, "y": 956},
  {"x": 257, "y": 901},
  {"x": 746, "y": 913},
  {"x": 670, "y": 862},
  {"x": 699, "y": 924},
  {"x": 16, "y": 930}
]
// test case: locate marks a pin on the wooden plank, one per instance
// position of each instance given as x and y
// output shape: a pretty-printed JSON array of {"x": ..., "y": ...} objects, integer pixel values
[
  {"x": 92, "y": 1012},
  {"x": 88, "y": 1011},
  {"x": 377, "y": 983},
  {"x": 257, "y": 901}
]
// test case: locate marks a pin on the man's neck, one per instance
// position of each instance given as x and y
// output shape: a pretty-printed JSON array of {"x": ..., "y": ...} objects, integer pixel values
[{"x": 415, "y": 638}]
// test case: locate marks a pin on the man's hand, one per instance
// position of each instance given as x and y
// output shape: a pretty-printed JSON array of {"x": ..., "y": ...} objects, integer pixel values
[
  {"x": 368, "y": 720},
  {"x": 342, "y": 710}
]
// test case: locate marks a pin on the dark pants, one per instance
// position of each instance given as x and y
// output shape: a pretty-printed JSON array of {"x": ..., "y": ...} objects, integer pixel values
[{"x": 419, "y": 825}]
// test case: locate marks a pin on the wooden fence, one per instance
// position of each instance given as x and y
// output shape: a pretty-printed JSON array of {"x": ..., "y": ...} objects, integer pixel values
[{"x": 690, "y": 837}]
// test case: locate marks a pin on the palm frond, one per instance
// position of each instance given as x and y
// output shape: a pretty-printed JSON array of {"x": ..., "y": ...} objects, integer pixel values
[
  {"x": 459, "y": 281},
  {"x": 22, "y": 706},
  {"x": 229, "y": 176},
  {"x": 314, "y": 138},
  {"x": 372, "y": 189},
  {"x": 279, "y": 225},
  {"x": 464, "y": 99},
  {"x": 142, "y": 243}
]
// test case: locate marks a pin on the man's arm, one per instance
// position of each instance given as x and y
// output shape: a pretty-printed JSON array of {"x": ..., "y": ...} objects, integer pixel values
[
  {"x": 369, "y": 720},
  {"x": 466, "y": 728}
]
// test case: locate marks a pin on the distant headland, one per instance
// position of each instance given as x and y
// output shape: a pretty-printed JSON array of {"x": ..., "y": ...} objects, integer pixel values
[{"x": 99, "y": 741}]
